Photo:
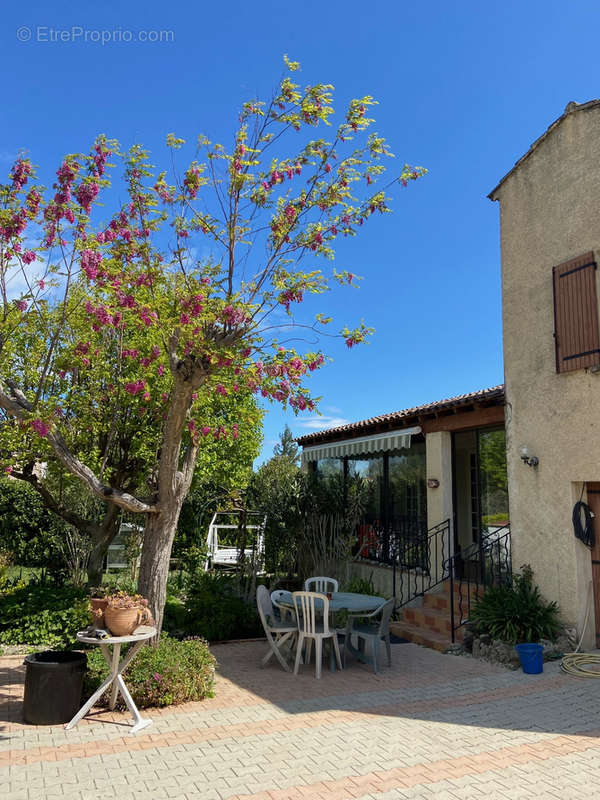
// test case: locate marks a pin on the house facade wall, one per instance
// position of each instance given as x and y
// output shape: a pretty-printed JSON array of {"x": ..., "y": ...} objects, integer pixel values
[{"x": 549, "y": 213}]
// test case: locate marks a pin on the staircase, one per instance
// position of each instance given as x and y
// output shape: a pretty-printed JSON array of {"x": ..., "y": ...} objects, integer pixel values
[{"x": 430, "y": 624}]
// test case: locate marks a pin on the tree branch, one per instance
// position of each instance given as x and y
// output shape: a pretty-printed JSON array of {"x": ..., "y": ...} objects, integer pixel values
[
  {"x": 187, "y": 469},
  {"x": 52, "y": 503},
  {"x": 18, "y": 406}
]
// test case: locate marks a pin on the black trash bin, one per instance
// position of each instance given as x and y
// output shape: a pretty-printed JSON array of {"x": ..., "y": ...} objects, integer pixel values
[{"x": 53, "y": 685}]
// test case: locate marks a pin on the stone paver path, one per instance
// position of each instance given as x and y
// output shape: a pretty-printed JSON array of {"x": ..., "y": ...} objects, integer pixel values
[{"x": 433, "y": 727}]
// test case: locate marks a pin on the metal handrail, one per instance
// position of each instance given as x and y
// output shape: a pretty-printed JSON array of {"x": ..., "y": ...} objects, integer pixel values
[
  {"x": 483, "y": 564},
  {"x": 434, "y": 549}
]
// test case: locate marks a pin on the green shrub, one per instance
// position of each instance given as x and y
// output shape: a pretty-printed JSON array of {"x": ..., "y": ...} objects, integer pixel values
[
  {"x": 516, "y": 613},
  {"x": 42, "y": 613},
  {"x": 361, "y": 586},
  {"x": 216, "y": 612},
  {"x": 27, "y": 529},
  {"x": 171, "y": 673},
  {"x": 175, "y": 619}
]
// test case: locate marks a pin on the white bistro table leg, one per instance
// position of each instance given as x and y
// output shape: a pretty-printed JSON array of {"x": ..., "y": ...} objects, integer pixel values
[
  {"x": 114, "y": 671},
  {"x": 118, "y": 684}
]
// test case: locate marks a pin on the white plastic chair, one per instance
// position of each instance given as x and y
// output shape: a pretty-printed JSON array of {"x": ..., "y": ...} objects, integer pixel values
[
  {"x": 321, "y": 584},
  {"x": 371, "y": 629},
  {"x": 284, "y": 611},
  {"x": 277, "y": 632},
  {"x": 313, "y": 623}
]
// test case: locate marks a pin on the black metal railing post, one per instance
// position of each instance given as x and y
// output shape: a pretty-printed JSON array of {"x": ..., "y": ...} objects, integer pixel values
[
  {"x": 472, "y": 570},
  {"x": 451, "y": 570}
]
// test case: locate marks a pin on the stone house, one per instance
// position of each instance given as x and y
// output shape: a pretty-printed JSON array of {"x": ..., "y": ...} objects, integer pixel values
[{"x": 438, "y": 473}]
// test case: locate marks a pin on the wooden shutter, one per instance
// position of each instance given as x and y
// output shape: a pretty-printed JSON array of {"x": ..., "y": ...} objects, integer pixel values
[{"x": 576, "y": 336}]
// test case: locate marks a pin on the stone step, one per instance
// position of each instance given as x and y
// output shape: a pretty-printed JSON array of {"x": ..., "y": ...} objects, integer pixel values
[
  {"x": 427, "y": 638},
  {"x": 441, "y": 600},
  {"x": 433, "y": 619}
]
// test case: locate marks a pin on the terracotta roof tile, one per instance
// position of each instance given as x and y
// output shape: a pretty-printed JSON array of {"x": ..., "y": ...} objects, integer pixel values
[{"x": 400, "y": 419}]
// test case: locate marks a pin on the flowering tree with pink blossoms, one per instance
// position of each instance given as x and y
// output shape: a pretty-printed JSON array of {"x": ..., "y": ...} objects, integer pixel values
[{"x": 177, "y": 286}]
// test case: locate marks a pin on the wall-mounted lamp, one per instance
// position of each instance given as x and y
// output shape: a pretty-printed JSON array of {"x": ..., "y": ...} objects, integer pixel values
[
  {"x": 531, "y": 461},
  {"x": 432, "y": 483}
]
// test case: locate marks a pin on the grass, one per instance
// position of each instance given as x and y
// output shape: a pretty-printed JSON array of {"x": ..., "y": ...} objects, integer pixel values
[
  {"x": 25, "y": 573},
  {"x": 495, "y": 519}
]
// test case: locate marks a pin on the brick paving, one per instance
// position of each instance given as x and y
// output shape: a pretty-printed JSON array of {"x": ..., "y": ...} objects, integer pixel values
[{"x": 434, "y": 727}]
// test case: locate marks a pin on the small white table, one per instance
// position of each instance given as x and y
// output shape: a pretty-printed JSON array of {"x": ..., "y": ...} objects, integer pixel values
[{"x": 116, "y": 667}]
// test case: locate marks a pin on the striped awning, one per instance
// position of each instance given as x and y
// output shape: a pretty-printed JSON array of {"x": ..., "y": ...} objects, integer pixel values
[{"x": 364, "y": 445}]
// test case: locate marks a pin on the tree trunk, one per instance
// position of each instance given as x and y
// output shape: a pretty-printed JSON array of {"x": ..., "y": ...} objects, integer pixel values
[
  {"x": 174, "y": 479},
  {"x": 101, "y": 536},
  {"x": 156, "y": 552}
]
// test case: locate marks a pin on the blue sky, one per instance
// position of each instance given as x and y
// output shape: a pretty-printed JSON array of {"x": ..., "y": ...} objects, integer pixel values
[{"x": 464, "y": 88}]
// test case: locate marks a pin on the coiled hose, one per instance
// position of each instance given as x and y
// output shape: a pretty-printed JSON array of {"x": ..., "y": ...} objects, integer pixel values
[{"x": 575, "y": 663}]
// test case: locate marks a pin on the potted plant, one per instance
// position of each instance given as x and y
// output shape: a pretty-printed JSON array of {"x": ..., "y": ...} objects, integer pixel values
[
  {"x": 98, "y": 603},
  {"x": 126, "y": 612}
]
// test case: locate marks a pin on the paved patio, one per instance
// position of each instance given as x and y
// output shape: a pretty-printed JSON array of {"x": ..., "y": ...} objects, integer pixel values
[{"x": 434, "y": 726}]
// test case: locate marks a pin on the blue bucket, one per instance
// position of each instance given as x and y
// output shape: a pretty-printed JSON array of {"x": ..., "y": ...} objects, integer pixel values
[{"x": 531, "y": 657}]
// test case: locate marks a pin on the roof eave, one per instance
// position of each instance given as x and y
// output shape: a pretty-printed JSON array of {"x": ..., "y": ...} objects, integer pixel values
[
  {"x": 403, "y": 419},
  {"x": 571, "y": 108}
]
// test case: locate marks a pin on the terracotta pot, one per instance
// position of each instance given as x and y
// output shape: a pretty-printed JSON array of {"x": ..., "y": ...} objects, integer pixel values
[
  {"x": 98, "y": 606},
  {"x": 123, "y": 621}
]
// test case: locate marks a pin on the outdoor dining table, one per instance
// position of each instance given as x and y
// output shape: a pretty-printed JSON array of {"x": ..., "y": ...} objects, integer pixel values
[
  {"x": 351, "y": 602},
  {"x": 116, "y": 668}
]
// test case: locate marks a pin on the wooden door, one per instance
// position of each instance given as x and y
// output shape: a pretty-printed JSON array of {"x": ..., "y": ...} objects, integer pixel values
[{"x": 593, "y": 498}]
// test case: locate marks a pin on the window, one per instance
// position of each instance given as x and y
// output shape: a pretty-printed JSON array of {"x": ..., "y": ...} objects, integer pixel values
[{"x": 576, "y": 337}]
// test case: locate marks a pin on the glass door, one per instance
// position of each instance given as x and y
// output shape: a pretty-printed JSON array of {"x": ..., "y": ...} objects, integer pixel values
[{"x": 480, "y": 489}]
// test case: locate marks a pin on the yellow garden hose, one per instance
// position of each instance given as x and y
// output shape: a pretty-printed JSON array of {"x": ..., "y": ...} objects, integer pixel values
[{"x": 575, "y": 663}]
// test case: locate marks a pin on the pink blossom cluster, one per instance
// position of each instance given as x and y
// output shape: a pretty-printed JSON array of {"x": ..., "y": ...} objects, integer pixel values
[
  {"x": 312, "y": 365},
  {"x": 13, "y": 225},
  {"x": 59, "y": 208},
  {"x": 290, "y": 213},
  {"x": 233, "y": 316},
  {"x": 90, "y": 263},
  {"x": 103, "y": 316},
  {"x": 145, "y": 279},
  {"x": 99, "y": 158},
  {"x": 86, "y": 193},
  {"x": 117, "y": 228},
  {"x": 317, "y": 240},
  {"x": 414, "y": 175},
  {"x": 192, "y": 180},
  {"x": 154, "y": 354},
  {"x": 40, "y": 427},
  {"x": 301, "y": 402},
  {"x": 20, "y": 174},
  {"x": 148, "y": 317},
  {"x": 33, "y": 201},
  {"x": 135, "y": 387},
  {"x": 278, "y": 177},
  {"x": 160, "y": 187},
  {"x": 125, "y": 300},
  {"x": 291, "y": 296},
  {"x": 193, "y": 305},
  {"x": 82, "y": 349}
]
